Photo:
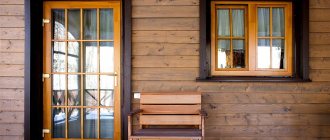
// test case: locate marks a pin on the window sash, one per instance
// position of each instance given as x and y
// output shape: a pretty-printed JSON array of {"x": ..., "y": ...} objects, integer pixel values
[{"x": 252, "y": 40}]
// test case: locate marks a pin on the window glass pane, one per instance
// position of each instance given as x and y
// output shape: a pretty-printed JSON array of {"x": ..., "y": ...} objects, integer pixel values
[
  {"x": 278, "y": 22},
  {"x": 73, "y": 57},
  {"x": 278, "y": 54},
  {"x": 223, "y": 22},
  {"x": 90, "y": 122},
  {"x": 74, "y": 24},
  {"x": 58, "y": 89},
  {"x": 106, "y": 57},
  {"x": 90, "y": 49},
  {"x": 263, "y": 22},
  {"x": 90, "y": 92},
  {"x": 58, "y": 122},
  {"x": 90, "y": 24},
  {"x": 263, "y": 53},
  {"x": 58, "y": 52},
  {"x": 106, "y": 124},
  {"x": 74, "y": 123},
  {"x": 58, "y": 18},
  {"x": 238, "y": 54},
  {"x": 223, "y": 59},
  {"x": 107, "y": 86},
  {"x": 106, "y": 24},
  {"x": 74, "y": 90},
  {"x": 238, "y": 22}
]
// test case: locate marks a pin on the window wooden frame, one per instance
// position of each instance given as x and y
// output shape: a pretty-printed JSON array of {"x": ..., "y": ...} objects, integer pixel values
[
  {"x": 251, "y": 38},
  {"x": 300, "y": 43}
]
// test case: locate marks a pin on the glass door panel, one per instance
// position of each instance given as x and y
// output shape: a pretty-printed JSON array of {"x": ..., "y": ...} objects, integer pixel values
[{"x": 83, "y": 54}]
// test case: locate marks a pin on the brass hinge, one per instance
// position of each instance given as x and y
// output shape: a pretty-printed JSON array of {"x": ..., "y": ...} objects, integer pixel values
[
  {"x": 45, "y": 131},
  {"x": 45, "y": 21},
  {"x": 44, "y": 76}
]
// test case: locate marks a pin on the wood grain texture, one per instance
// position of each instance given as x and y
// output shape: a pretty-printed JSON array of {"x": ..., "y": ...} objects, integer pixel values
[
  {"x": 12, "y": 105},
  {"x": 11, "y": 70},
  {"x": 170, "y": 119},
  {"x": 11, "y": 33},
  {"x": 12, "y": 58},
  {"x": 171, "y": 24},
  {"x": 319, "y": 50},
  {"x": 11, "y": 10},
  {"x": 165, "y": 61},
  {"x": 5, "y": 2},
  {"x": 164, "y": 2},
  {"x": 164, "y": 73},
  {"x": 11, "y": 82},
  {"x": 16, "y": 46},
  {"x": 170, "y": 99},
  {"x": 165, "y": 11},
  {"x": 319, "y": 4},
  {"x": 320, "y": 63},
  {"x": 165, "y": 37},
  {"x": 11, "y": 129},
  {"x": 319, "y": 15},
  {"x": 17, "y": 93},
  {"x": 12, "y": 117},
  {"x": 165, "y": 49},
  {"x": 319, "y": 38},
  {"x": 319, "y": 27},
  {"x": 11, "y": 21}
]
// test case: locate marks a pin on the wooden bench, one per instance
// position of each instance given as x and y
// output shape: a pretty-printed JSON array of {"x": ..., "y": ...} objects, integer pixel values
[{"x": 168, "y": 115}]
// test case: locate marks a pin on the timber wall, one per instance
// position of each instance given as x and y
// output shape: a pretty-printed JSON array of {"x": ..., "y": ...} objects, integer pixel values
[
  {"x": 11, "y": 69},
  {"x": 166, "y": 58}
]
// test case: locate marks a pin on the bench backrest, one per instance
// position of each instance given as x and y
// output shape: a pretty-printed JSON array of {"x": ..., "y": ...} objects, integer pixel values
[{"x": 170, "y": 108}]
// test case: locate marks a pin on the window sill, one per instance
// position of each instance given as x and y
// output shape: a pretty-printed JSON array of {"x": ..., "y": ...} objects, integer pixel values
[{"x": 251, "y": 79}]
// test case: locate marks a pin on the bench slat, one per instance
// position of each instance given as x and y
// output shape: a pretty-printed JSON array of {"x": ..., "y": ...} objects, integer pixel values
[
  {"x": 170, "y": 120},
  {"x": 171, "y": 109}
]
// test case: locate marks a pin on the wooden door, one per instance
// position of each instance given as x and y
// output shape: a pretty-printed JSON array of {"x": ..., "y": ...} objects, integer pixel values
[{"x": 81, "y": 70}]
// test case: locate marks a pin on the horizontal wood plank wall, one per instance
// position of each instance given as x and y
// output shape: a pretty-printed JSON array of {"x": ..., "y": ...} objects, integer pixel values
[
  {"x": 11, "y": 69},
  {"x": 166, "y": 58}
]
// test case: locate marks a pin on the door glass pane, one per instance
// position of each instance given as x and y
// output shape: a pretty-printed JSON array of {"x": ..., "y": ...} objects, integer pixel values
[
  {"x": 238, "y": 22},
  {"x": 90, "y": 24},
  {"x": 90, "y": 122},
  {"x": 278, "y": 54},
  {"x": 263, "y": 53},
  {"x": 74, "y": 24},
  {"x": 263, "y": 22},
  {"x": 58, "y": 56},
  {"x": 58, "y": 89},
  {"x": 223, "y": 22},
  {"x": 106, "y": 24},
  {"x": 58, "y": 18},
  {"x": 90, "y": 49},
  {"x": 106, "y": 90},
  {"x": 223, "y": 59},
  {"x": 74, "y": 123},
  {"x": 238, "y": 54},
  {"x": 106, "y": 124},
  {"x": 58, "y": 122},
  {"x": 90, "y": 92},
  {"x": 278, "y": 22},
  {"x": 106, "y": 57},
  {"x": 73, "y": 57},
  {"x": 74, "y": 90}
]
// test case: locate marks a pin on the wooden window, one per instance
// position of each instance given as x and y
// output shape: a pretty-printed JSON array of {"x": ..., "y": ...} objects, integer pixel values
[{"x": 251, "y": 38}]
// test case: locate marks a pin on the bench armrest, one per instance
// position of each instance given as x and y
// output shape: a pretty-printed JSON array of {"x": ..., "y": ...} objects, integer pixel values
[
  {"x": 203, "y": 113},
  {"x": 134, "y": 112}
]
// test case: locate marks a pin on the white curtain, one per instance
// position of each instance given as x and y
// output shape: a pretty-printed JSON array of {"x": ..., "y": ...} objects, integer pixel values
[
  {"x": 238, "y": 23},
  {"x": 223, "y": 22},
  {"x": 263, "y": 22},
  {"x": 278, "y": 22}
]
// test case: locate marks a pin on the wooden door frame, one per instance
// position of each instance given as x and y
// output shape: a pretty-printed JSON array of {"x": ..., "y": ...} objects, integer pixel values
[{"x": 33, "y": 69}]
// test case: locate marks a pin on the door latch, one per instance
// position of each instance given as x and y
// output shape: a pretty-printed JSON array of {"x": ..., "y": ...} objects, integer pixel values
[
  {"x": 45, "y": 131},
  {"x": 44, "y": 76},
  {"x": 45, "y": 21}
]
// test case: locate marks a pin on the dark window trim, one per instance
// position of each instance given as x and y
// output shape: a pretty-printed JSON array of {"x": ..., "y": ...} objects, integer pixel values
[
  {"x": 300, "y": 47},
  {"x": 33, "y": 61}
]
